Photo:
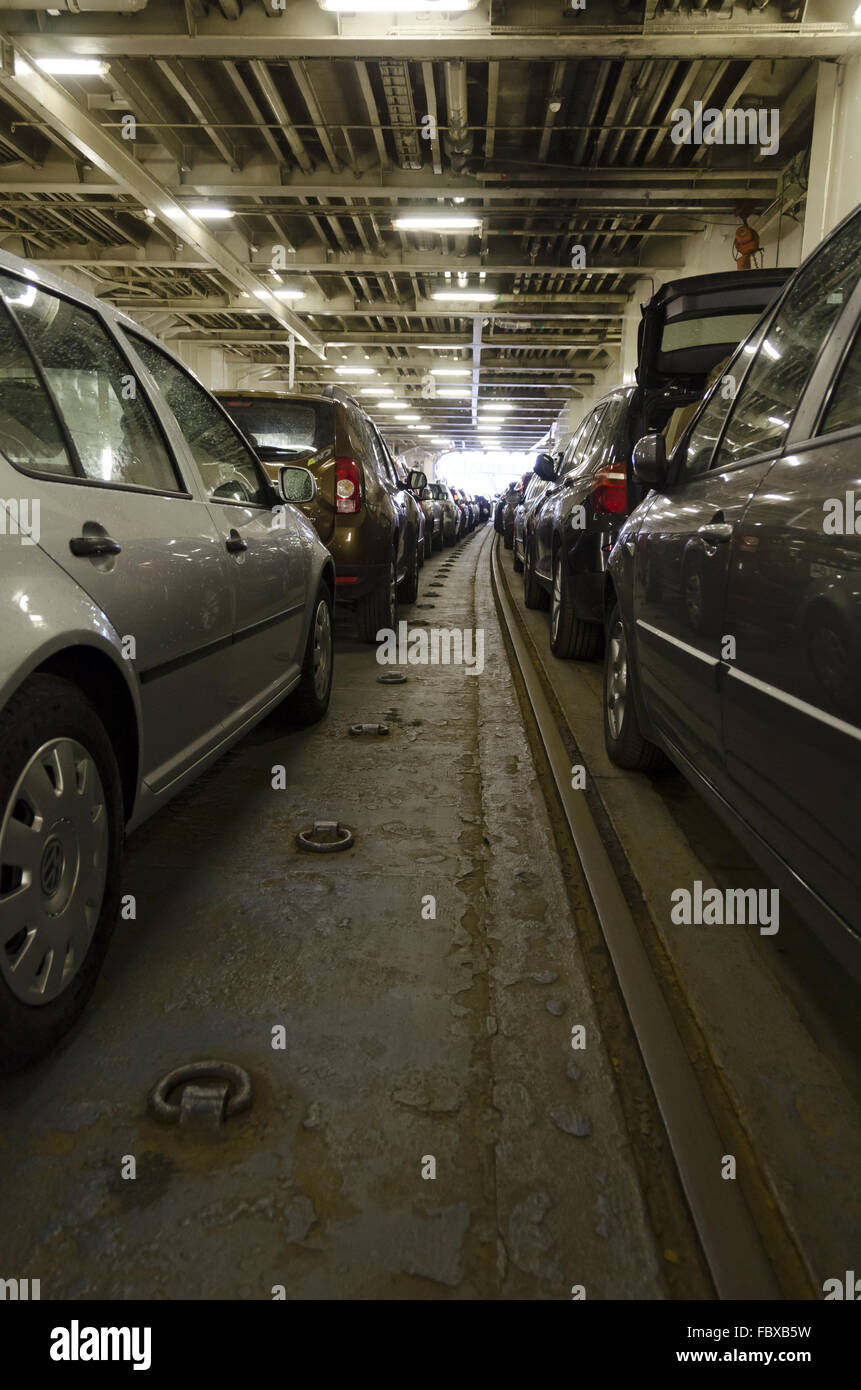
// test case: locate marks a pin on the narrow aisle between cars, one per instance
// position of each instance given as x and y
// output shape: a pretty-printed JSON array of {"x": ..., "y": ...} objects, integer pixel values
[{"x": 426, "y": 1129}]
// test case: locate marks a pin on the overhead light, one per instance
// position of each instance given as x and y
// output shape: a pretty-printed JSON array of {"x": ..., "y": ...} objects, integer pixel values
[
  {"x": 451, "y": 371},
  {"x": 149, "y": 214},
  {"x": 390, "y": 405},
  {"x": 263, "y": 294},
  {"x": 555, "y": 106},
  {"x": 289, "y": 294},
  {"x": 444, "y": 442},
  {"x": 393, "y": 6},
  {"x": 72, "y": 67},
  {"x": 376, "y": 391},
  {"x": 436, "y": 222},
  {"x": 450, "y": 392},
  {"x": 856, "y": 18},
  {"x": 411, "y": 416},
  {"x": 175, "y": 214},
  {"x": 356, "y": 371},
  {"x": 491, "y": 405},
  {"x": 211, "y": 214},
  {"x": 463, "y": 296}
]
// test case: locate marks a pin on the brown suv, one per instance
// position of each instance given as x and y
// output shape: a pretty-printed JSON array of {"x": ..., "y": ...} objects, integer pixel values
[{"x": 362, "y": 509}]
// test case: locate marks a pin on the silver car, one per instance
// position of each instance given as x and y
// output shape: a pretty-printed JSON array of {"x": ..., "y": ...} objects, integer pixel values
[{"x": 159, "y": 596}]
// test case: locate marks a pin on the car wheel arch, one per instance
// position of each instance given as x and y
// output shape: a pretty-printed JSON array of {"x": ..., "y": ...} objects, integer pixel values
[{"x": 99, "y": 678}]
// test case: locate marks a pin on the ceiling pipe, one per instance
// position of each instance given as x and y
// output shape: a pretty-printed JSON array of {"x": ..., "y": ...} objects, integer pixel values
[{"x": 458, "y": 139}]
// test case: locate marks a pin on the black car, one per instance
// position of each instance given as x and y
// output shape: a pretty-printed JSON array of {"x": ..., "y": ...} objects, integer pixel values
[
  {"x": 733, "y": 597},
  {"x": 687, "y": 330}
]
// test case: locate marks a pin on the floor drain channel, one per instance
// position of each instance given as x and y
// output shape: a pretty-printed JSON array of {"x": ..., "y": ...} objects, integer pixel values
[
  {"x": 211, "y": 1093},
  {"x": 325, "y": 837},
  {"x": 357, "y": 729}
]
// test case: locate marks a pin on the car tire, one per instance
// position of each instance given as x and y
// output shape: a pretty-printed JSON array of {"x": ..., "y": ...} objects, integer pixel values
[
  {"x": 533, "y": 594},
  {"x": 428, "y": 545},
  {"x": 309, "y": 702},
  {"x": 438, "y": 539},
  {"x": 410, "y": 582},
  {"x": 516, "y": 560},
  {"x": 53, "y": 742},
  {"x": 625, "y": 744},
  {"x": 379, "y": 608},
  {"x": 570, "y": 636},
  {"x": 508, "y": 538}
]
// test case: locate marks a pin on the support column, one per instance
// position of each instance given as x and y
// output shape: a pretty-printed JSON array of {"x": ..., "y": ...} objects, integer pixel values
[{"x": 834, "y": 187}]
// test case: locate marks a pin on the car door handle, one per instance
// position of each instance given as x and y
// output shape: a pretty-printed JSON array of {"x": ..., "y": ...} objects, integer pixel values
[
  {"x": 92, "y": 546},
  {"x": 716, "y": 532},
  {"x": 235, "y": 542}
]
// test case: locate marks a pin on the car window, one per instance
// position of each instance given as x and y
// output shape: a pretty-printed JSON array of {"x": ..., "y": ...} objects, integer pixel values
[
  {"x": 227, "y": 467},
  {"x": 584, "y": 456},
  {"x": 843, "y": 411},
  {"x": 30, "y": 433},
  {"x": 107, "y": 416},
  {"x": 765, "y": 404},
  {"x": 573, "y": 445},
  {"x": 385, "y": 463}
]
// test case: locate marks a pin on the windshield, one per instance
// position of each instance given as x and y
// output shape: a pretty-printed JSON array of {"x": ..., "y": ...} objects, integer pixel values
[{"x": 288, "y": 427}]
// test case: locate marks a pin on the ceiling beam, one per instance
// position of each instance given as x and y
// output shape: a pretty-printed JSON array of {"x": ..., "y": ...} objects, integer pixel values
[
  {"x": 309, "y": 33},
  {"x": 48, "y": 102}
]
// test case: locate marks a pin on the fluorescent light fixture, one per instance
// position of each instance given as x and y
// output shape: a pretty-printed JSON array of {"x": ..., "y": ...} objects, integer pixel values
[
  {"x": 376, "y": 391},
  {"x": 465, "y": 296},
  {"x": 393, "y": 6},
  {"x": 72, "y": 67},
  {"x": 211, "y": 214},
  {"x": 175, "y": 214},
  {"x": 445, "y": 442},
  {"x": 390, "y": 405},
  {"x": 289, "y": 294},
  {"x": 356, "y": 371},
  {"x": 856, "y": 17},
  {"x": 451, "y": 371},
  {"x": 490, "y": 405},
  {"x": 263, "y": 294},
  {"x": 436, "y": 222},
  {"x": 452, "y": 392},
  {"x": 411, "y": 416}
]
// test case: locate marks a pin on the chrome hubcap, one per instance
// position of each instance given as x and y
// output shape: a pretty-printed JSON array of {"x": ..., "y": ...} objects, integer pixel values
[
  {"x": 54, "y": 842},
  {"x": 322, "y": 649},
  {"x": 617, "y": 679},
  {"x": 557, "y": 595}
]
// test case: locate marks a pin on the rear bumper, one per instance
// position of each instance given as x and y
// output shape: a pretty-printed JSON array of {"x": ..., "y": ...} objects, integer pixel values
[
  {"x": 588, "y": 594},
  {"x": 356, "y": 581}
]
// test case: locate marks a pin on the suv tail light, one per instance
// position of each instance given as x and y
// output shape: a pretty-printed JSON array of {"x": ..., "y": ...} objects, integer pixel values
[
  {"x": 348, "y": 486},
  {"x": 610, "y": 491}
]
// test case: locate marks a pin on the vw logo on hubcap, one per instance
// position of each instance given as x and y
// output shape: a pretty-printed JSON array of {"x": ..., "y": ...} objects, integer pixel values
[{"x": 53, "y": 861}]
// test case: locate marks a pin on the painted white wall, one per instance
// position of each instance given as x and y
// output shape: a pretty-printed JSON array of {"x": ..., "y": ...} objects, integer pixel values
[{"x": 835, "y": 158}]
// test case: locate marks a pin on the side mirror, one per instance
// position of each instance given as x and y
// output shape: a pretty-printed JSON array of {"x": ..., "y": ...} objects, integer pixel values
[
  {"x": 417, "y": 480},
  {"x": 650, "y": 460},
  {"x": 296, "y": 484},
  {"x": 545, "y": 467}
]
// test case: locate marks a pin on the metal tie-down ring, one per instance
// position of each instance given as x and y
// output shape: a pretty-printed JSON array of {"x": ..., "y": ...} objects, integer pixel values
[
  {"x": 325, "y": 837},
  {"x": 392, "y": 678},
  {"x": 230, "y": 1094},
  {"x": 380, "y": 729}
]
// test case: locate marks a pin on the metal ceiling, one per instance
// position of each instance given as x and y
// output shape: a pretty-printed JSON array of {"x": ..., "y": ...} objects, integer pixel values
[{"x": 317, "y": 130}]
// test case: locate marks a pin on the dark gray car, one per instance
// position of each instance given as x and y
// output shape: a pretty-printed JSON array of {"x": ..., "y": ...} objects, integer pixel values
[{"x": 734, "y": 596}]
